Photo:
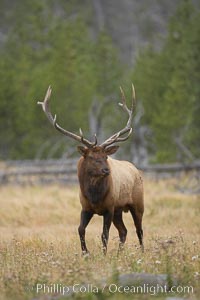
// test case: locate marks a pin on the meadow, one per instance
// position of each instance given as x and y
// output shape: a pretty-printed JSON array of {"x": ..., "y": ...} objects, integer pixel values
[{"x": 39, "y": 243}]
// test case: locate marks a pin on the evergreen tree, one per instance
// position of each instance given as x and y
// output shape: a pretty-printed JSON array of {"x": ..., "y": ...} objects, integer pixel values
[
  {"x": 44, "y": 50},
  {"x": 167, "y": 87}
]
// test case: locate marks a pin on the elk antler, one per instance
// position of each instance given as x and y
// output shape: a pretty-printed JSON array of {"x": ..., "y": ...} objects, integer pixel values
[
  {"x": 127, "y": 129},
  {"x": 45, "y": 107}
]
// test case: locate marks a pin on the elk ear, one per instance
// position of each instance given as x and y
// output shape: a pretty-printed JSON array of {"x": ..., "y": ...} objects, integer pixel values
[
  {"x": 111, "y": 150},
  {"x": 82, "y": 150}
]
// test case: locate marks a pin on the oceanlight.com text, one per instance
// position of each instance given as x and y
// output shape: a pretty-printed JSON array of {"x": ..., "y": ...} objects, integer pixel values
[{"x": 113, "y": 288}]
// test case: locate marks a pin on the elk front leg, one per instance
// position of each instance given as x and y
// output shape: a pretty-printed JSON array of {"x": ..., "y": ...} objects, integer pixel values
[
  {"x": 86, "y": 216},
  {"x": 107, "y": 220}
]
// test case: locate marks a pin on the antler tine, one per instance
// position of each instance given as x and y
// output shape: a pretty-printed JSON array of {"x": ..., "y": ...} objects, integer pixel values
[
  {"x": 81, "y": 133},
  {"x": 124, "y": 106},
  {"x": 82, "y": 138},
  {"x": 95, "y": 140},
  {"x": 116, "y": 137},
  {"x": 133, "y": 96},
  {"x": 45, "y": 107}
]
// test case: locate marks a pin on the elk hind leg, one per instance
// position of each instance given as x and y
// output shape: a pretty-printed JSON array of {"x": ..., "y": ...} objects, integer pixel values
[
  {"x": 119, "y": 224},
  {"x": 137, "y": 218}
]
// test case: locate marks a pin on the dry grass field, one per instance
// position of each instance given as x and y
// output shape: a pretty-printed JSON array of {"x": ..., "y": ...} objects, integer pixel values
[{"x": 40, "y": 245}]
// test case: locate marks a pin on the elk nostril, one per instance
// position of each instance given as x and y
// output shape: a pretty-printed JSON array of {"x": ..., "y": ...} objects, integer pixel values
[{"x": 106, "y": 171}]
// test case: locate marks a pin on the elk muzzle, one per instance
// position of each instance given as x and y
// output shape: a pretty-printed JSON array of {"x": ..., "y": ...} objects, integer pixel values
[{"x": 105, "y": 171}]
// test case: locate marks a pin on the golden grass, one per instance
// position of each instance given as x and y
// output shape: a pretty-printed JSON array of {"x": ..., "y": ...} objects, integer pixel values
[{"x": 40, "y": 244}]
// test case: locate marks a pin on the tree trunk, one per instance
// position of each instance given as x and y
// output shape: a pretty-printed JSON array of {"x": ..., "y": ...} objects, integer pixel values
[{"x": 99, "y": 15}]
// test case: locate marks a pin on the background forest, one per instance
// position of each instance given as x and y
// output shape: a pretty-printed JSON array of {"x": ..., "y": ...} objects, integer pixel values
[{"x": 85, "y": 50}]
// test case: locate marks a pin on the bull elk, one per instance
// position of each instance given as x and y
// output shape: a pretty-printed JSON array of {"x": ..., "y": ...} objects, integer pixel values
[{"x": 108, "y": 186}]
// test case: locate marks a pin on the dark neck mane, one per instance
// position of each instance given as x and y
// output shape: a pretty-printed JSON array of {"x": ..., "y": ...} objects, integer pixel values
[{"x": 94, "y": 189}]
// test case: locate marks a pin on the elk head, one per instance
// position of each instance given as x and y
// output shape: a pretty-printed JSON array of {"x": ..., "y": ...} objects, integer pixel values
[{"x": 95, "y": 155}]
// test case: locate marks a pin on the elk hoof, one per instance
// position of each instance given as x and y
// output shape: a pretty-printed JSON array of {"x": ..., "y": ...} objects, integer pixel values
[
  {"x": 104, "y": 251},
  {"x": 120, "y": 248},
  {"x": 85, "y": 254}
]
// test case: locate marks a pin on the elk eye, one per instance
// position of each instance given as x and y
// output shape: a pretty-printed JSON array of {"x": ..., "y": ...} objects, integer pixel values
[{"x": 98, "y": 161}]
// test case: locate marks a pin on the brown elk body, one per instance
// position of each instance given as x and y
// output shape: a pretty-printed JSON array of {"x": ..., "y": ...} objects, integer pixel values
[{"x": 108, "y": 187}]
